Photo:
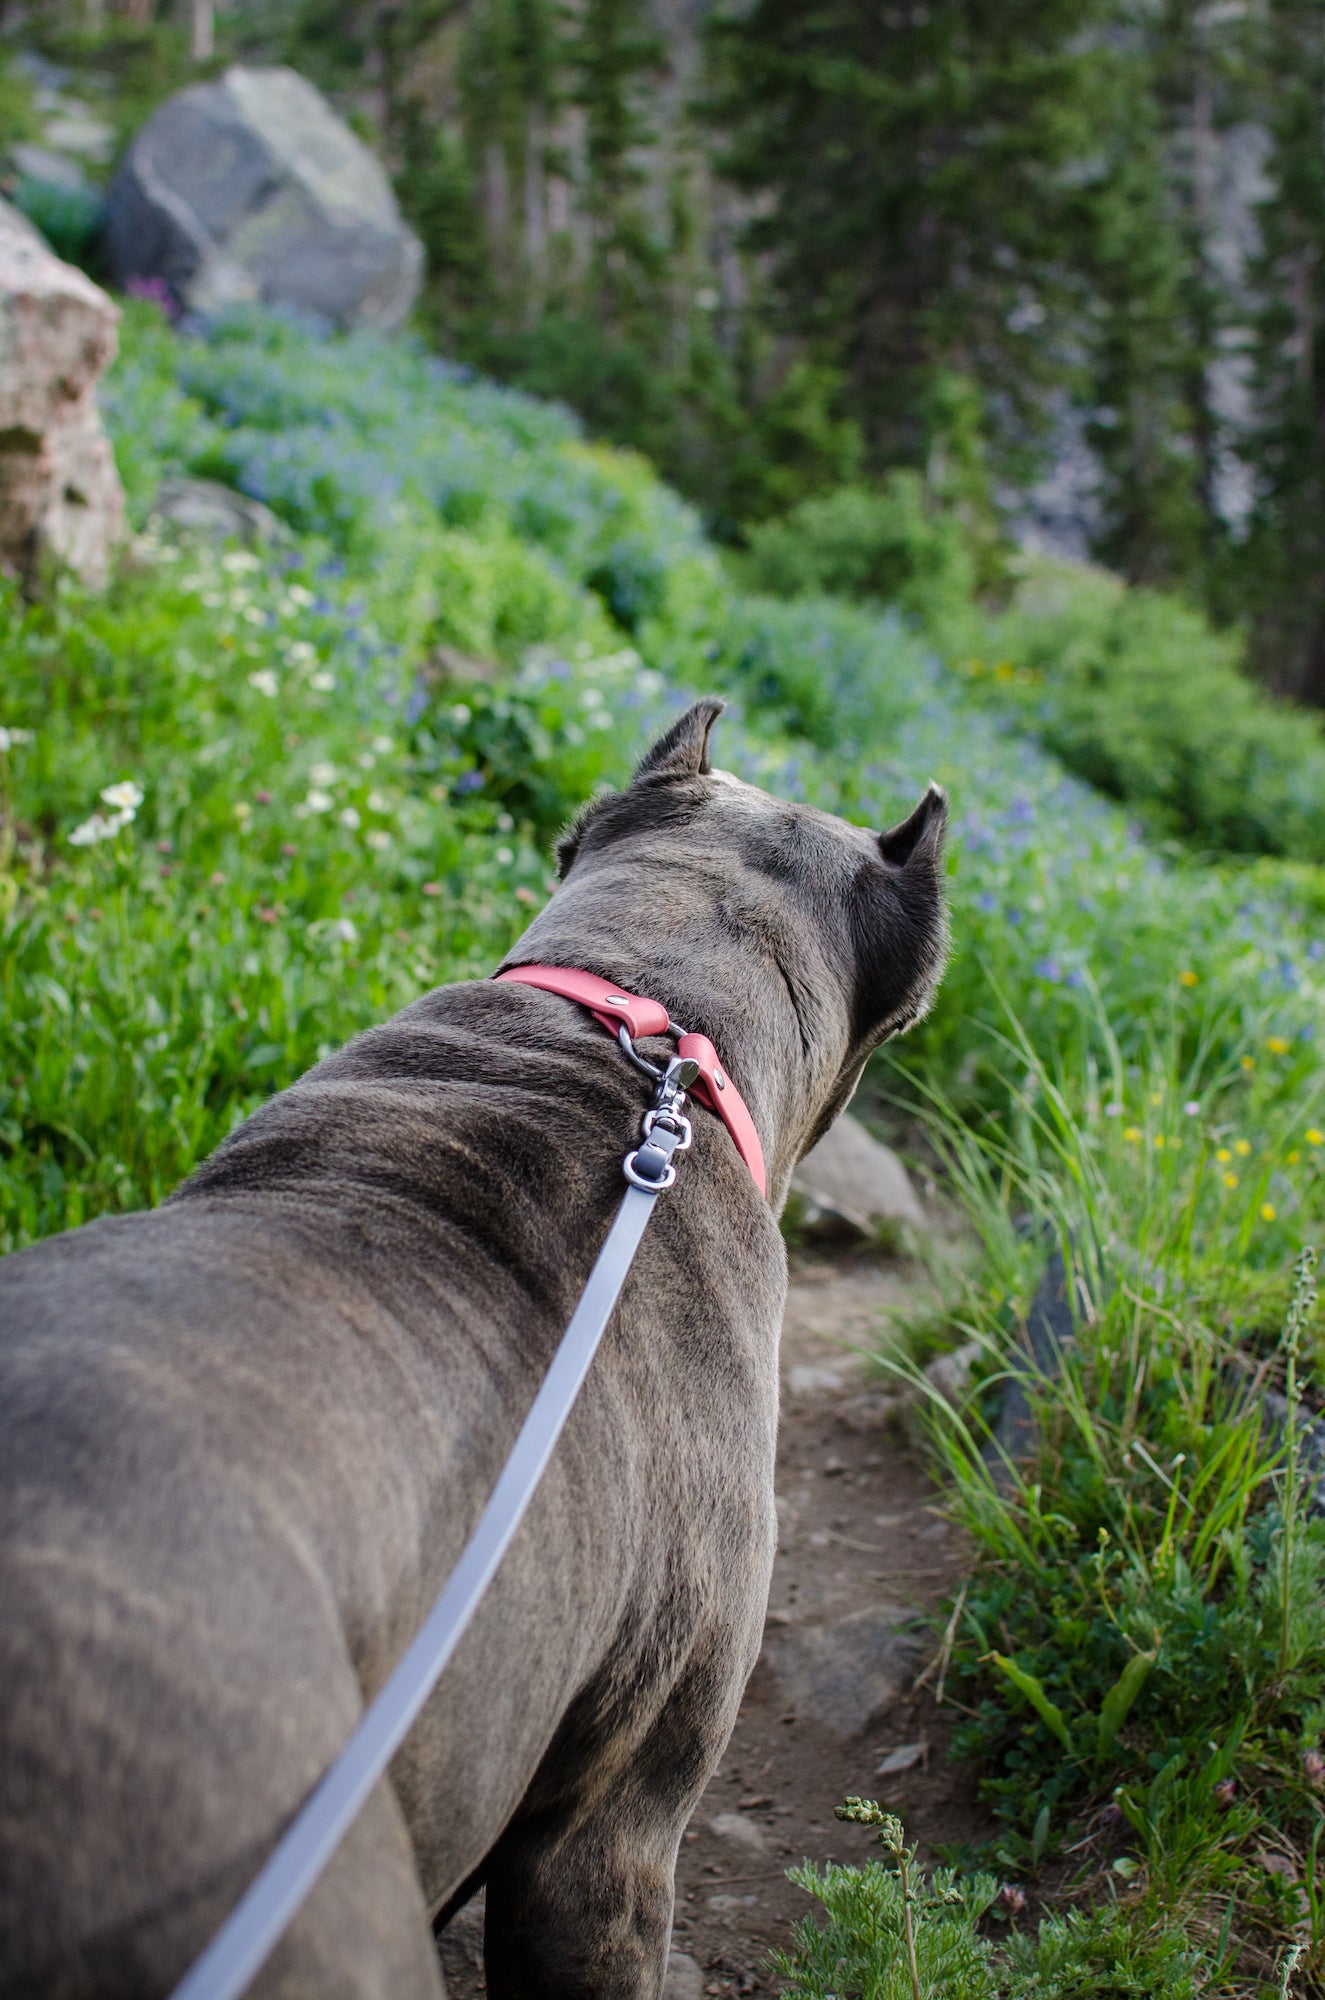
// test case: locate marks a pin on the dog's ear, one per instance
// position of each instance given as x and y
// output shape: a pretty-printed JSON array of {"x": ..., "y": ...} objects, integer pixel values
[
  {"x": 684, "y": 751},
  {"x": 921, "y": 832}
]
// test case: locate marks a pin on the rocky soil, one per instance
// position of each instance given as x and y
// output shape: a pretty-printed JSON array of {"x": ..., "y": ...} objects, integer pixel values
[{"x": 866, "y": 1558}]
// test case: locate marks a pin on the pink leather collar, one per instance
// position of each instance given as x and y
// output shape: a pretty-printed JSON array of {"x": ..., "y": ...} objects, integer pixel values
[{"x": 615, "y": 1008}]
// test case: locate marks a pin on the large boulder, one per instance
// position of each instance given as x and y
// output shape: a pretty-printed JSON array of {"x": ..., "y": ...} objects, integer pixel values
[
  {"x": 60, "y": 495},
  {"x": 252, "y": 189}
]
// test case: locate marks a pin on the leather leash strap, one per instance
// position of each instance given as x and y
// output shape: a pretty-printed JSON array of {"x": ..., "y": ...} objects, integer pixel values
[{"x": 249, "y": 1934}]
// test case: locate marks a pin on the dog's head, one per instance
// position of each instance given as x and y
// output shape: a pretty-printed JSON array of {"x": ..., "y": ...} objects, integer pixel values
[{"x": 795, "y": 941}]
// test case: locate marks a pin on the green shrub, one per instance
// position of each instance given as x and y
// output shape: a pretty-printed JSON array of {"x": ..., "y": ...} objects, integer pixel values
[
  {"x": 889, "y": 545},
  {"x": 1141, "y": 697},
  {"x": 69, "y": 218}
]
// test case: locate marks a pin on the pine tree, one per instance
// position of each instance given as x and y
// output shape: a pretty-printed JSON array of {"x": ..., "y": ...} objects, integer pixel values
[{"x": 1284, "y": 570}]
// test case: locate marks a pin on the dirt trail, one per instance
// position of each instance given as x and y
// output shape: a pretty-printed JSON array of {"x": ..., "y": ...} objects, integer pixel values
[{"x": 864, "y": 1555}]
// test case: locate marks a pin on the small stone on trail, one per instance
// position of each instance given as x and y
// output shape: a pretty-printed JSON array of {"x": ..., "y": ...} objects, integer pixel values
[
  {"x": 753, "y": 1805},
  {"x": 807, "y": 1380},
  {"x": 684, "y": 1980},
  {"x": 904, "y": 1758},
  {"x": 846, "y": 1672},
  {"x": 739, "y": 1832}
]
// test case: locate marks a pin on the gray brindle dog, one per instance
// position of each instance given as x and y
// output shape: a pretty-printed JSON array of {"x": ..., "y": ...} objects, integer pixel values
[{"x": 243, "y": 1439}]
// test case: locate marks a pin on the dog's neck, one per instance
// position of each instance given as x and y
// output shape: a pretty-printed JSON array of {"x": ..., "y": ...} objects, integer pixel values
[{"x": 745, "y": 1003}]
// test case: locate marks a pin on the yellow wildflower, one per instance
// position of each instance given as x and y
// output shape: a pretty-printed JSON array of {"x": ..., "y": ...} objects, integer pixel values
[
  {"x": 1294, "y": 1157},
  {"x": 1159, "y": 1141},
  {"x": 1241, "y": 1146},
  {"x": 1277, "y": 1045},
  {"x": 1230, "y": 1180},
  {"x": 1156, "y": 1097},
  {"x": 1132, "y": 1133},
  {"x": 1224, "y": 1155},
  {"x": 1268, "y": 1211},
  {"x": 1315, "y": 1138},
  {"x": 1187, "y": 979},
  {"x": 1249, "y": 1062}
]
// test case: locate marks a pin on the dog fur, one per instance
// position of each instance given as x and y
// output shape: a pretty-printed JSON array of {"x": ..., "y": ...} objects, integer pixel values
[{"x": 243, "y": 1439}]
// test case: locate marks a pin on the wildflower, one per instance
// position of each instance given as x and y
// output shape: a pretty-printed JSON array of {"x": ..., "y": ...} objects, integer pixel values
[
  {"x": 322, "y": 773},
  {"x": 1048, "y": 969},
  {"x": 432, "y": 888},
  {"x": 253, "y": 615},
  {"x": 1114, "y": 1110},
  {"x": 126, "y": 797},
  {"x": 289, "y": 850},
  {"x": 323, "y": 683},
  {"x": 265, "y": 681},
  {"x": 1012, "y": 1899},
  {"x": 1248, "y": 1062},
  {"x": 383, "y": 745},
  {"x": 1313, "y": 1767},
  {"x": 300, "y": 654},
  {"x": 1241, "y": 1146},
  {"x": 266, "y": 916},
  {"x": 1268, "y": 1211},
  {"x": 316, "y": 802},
  {"x": 1160, "y": 1142},
  {"x": 242, "y": 810},
  {"x": 9, "y": 737},
  {"x": 342, "y": 930},
  {"x": 1230, "y": 1180},
  {"x": 1294, "y": 1157},
  {"x": 216, "y": 879},
  {"x": 504, "y": 857},
  {"x": 526, "y": 896},
  {"x": 1191, "y": 1109},
  {"x": 1277, "y": 1045},
  {"x": 95, "y": 829},
  {"x": 1223, "y": 1155},
  {"x": 1156, "y": 1097},
  {"x": 377, "y": 803},
  {"x": 350, "y": 818},
  {"x": 239, "y": 562},
  {"x": 378, "y": 838},
  {"x": 1224, "y": 1793},
  {"x": 1132, "y": 1134},
  {"x": 300, "y": 595},
  {"x": 263, "y": 798},
  {"x": 1315, "y": 1138},
  {"x": 1188, "y": 979},
  {"x": 460, "y": 714}
]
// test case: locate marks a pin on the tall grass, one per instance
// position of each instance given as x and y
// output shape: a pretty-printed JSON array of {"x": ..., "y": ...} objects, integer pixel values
[{"x": 1139, "y": 1653}]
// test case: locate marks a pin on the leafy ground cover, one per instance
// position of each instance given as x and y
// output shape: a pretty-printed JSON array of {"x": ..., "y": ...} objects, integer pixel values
[{"x": 251, "y": 801}]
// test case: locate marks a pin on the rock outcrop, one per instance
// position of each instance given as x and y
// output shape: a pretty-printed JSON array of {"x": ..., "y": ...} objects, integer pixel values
[
  {"x": 60, "y": 494},
  {"x": 252, "y": 189}
]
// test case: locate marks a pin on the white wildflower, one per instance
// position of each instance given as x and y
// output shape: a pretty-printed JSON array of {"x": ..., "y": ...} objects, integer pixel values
[
  {"x": 242, "y": 809},
  {"x": 378, "y": 838},
  {"x": 238, "y": 561},
  {"x": 322, "y": 683},
  {"x": 505, "y": 857},
  {"x": 300, "y": 654},
  {"x": 299, "y": 594},
  {"x": 378, "y": 803},
  {"x": 383, "y": 745},
  {"x": 316, "y": 802},
  {"x": 125, "y": 797},
  {"x": 460, "y": 714},
  {"x": 322, "y": 773},
  {"x": 265, "y": 681},
  {"x": 99, "y": 827},
  {"x": 254, "y": 614},
  {"x": 350, "y": 818},
  {"x": 365, "y": 760},
  {"x": 342, "y": 930}
]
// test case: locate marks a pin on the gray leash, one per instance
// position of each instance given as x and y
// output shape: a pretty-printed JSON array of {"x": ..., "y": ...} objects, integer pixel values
[{"x": 249, "y": 1934}]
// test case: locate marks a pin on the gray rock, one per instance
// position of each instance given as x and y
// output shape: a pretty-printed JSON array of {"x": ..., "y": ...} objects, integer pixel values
[
  {"x": 740, "y": 1832},
  {"x": 205, "y": 507},
  {"x": 39, "y": 163},
  {"x": 252, "y": 189},
  {"x": 685, "y": 1980},
  {"x": 851, "y": 1178},
  {"x": 950, "y": 1374},
  {"x": 845, "y": 1673}
]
